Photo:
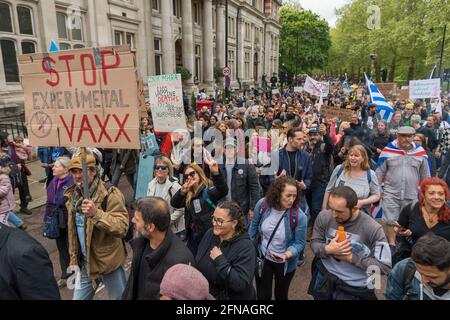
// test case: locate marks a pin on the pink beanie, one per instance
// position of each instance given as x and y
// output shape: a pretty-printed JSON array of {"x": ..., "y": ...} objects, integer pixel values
[{"x": 184, "y": 282}]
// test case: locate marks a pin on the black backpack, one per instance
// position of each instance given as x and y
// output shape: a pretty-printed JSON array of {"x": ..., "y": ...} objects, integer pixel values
[{"x": 15, "y": 175}]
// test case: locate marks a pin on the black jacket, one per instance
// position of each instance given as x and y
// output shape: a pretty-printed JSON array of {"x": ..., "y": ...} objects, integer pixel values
[
  {"x": 198, "y": 222},
  {"x": 230, "y": 275},
  {"x": 170, "y": 252},
  {"x": 127, "y": 159},
  {"x": 26, "y": 272},
  {"x": 321, "y": 156},
  {"x": 244, "y": 185}
]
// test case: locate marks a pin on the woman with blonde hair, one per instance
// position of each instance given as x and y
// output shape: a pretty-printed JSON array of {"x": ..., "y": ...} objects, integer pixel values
[
  {"x": 199, "y": 196},
  {"x": 165, "y": 185},
  {"x": 355, "y": 173}
]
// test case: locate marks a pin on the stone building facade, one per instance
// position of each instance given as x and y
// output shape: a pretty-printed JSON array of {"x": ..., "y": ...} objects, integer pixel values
[{"x": 163, "y": 34}]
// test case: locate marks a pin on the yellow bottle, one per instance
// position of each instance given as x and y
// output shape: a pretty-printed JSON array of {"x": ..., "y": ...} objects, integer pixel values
[{"x": 341, "y": 234}]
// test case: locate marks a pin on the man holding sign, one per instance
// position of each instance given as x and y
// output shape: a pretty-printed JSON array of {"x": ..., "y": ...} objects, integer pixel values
[{"x": 96, "y": 227}]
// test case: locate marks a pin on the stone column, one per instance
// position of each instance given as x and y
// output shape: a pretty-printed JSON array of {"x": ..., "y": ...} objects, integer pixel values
[
  {"x": 102, "y": 25},
  {"x": 208, "y": 52},
  {"x": 168, "y": 45},
  {"x": 187, "y": 41},
  {"x": 91, "y": 24},
  {"x": 47, "y": 23},
  {"x": 146, "y": 34},
  {"x": 220, "y": 35},
  {"x": 240, "y": 46}
]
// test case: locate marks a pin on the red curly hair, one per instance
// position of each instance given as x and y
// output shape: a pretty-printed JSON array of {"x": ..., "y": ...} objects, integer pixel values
[{"x": 444, "y": 212}]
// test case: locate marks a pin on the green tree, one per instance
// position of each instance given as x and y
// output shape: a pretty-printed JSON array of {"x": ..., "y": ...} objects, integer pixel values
[
  {"x": 304, "y": 40},
  {"x": 403, "y": 42}
]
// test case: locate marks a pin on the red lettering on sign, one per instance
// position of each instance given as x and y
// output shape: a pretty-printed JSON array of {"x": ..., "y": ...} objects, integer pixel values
[
  {"x": 69, "y": 133},
  {"x": 50, "y": 70},
  {"x": 108, "y": 66},
  {"x": 103, "y": 128},
  {"x": 83, "y": 66},
  {"x": 67, "y": 58},
  {"x": 86, "y": 126},
  {"x": 121, "y": 127}
]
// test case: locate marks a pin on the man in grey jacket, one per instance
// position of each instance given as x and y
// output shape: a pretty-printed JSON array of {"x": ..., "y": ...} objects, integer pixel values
[
  {"x": 401, "y": 166},
  {"x": 343, "y": 261}
]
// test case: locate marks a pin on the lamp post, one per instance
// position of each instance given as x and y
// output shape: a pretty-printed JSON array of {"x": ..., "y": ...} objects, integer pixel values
[
  {"x": 442, "y": 51},
  {"x": 226, "y": 46},
  {"x": 373, "y": 58}
]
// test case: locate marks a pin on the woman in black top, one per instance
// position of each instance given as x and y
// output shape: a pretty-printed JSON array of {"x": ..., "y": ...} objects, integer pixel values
[
  {"x": 430, "y": 214},
  {"x": 226, "y": 255},
  {"x": 379, "y": 139}
]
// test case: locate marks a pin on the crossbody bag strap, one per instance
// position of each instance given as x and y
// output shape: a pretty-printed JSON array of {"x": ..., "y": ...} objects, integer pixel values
[{"x": 273, "y": 233}]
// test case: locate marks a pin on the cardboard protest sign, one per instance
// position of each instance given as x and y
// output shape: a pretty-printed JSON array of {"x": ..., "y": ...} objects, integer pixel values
[
  {"x": 332, "y": 112},
  {"x": 141, "y": 98},
  {"x": 166, "y": 102},
  {"x": 421, "y": 89},
  {"x": 404, "y": 93},
  {"x": 388, "y": 90},
  {"x": 79, "y": 98}
]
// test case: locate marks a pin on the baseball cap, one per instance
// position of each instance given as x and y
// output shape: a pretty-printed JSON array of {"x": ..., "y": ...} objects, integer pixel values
[
  {"x": 75, "y": 162},
  {"x": 314, "y": 130},
  {"x": 184, "y": 282},
  {"x": 406, "y": 130}
]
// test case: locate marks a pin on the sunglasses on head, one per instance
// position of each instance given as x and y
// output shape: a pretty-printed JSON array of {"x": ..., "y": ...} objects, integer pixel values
[
  {"x": 191, "y": 174},
  {"x": 161, "y": 168}
]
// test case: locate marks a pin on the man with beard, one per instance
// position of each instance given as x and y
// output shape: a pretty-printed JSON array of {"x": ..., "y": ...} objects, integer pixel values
[
  {"x": 320, "y": 150},
  {"x": 424, "y": 276},
  {"x": 402, "y": 165},
  {"x": 154, "y": 251},
  {"x": 344, "y": 256}
]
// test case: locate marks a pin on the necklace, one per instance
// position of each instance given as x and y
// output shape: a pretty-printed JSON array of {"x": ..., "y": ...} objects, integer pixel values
[{"x": 430, "y": 217}]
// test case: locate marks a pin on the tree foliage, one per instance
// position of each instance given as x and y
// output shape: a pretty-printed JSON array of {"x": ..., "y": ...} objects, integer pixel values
[
  {"x": 407, "y": 42},
  {"x": 304, "y": 40}
]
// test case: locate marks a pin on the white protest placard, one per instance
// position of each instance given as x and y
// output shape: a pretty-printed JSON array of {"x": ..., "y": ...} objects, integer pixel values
[
  {"x": 275, "y": 91},
  {"x": 166, "y": 102},
  {"x": 316, "y": 88},
  {"x": 298, "y": 89},
  {"x": 421, "y": 89},
  {"x": 83, "y": 97}
]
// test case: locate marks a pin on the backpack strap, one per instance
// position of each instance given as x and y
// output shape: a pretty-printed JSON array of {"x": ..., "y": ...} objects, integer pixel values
[
  {"x": 206, "y": 197},
  {"x": 408, "y": 277},
  {"x": 369, "y": 176},
  {"x": 293, "y": 218}
]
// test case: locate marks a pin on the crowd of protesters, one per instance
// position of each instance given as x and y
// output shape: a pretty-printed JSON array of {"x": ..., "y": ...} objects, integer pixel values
[{"x": 236, "y": 199}]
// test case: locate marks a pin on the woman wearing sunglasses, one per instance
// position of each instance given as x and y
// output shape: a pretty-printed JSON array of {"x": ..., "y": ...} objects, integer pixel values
[
  {"x": 199, "y": 196},
  {"x": 226, "y": 255},
  {"x": 165, "y": 185}
]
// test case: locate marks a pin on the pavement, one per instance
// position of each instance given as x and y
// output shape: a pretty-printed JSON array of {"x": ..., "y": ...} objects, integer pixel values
[{"x": 298, "y": 288}]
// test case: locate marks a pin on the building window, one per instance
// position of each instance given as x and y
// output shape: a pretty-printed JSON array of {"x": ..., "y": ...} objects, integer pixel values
[
  {"x": 78, "y": 46},
  {"x": 246, "y": 65},
  {"x": 155, "y": 5},
  {"x": 176, "y": 8},
  {"x": 25, "y": 20},
  {"x": 8, "y": 48},
  {"x": 197, "y": 12},
  {"x": 231, "y": 27},
  {"x": 62, "y": 28},
  {"x": 5, "y": 21},
  {"x": 198, "y": 65},
  {"x": 64, "y": 46},
  {"x": 247, "y": 31},
  {"x": 121, "y": 37},
  {"x": 158, "y": 56},
  {"x": 231, "y": 61},
  {"x": 28, "y": 47}
]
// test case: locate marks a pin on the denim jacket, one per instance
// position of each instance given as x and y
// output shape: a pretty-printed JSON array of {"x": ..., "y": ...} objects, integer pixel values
[
  {"x": 294, "y": 242},
  {"x": 395, "y": 285}
]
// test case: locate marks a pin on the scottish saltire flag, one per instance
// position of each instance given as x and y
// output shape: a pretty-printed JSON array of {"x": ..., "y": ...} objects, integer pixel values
[
  {"x": 383, "y": 107},
  {"x": 392, "y": 151}
]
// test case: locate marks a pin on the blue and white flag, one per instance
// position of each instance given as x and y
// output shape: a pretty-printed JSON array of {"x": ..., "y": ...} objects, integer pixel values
[{"x": 383, "y": 107}]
